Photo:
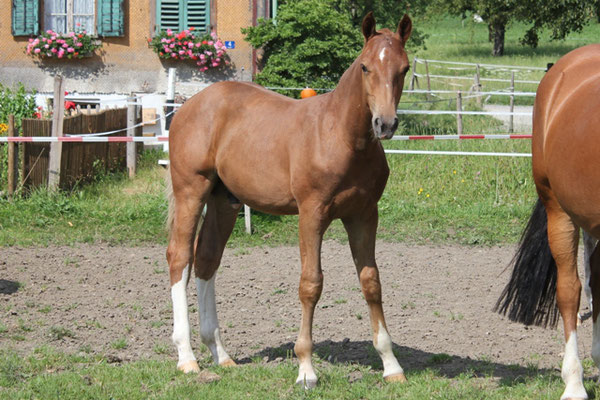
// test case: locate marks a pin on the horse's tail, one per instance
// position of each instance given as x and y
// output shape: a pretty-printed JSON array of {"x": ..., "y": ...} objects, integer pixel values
[{"x": 529, "y": 296}]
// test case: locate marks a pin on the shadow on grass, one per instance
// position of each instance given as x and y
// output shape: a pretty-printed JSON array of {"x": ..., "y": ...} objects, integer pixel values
[
  {"x": 8, "y": 287},
  {"x": 444, "y": 365}
]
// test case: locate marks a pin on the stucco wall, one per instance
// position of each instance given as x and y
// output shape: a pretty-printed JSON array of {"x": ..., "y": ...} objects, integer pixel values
[{"x": 126, "y": 64}]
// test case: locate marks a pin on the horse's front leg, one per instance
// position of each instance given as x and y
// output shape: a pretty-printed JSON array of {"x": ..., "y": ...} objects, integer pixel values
[
  {"x": 361, "y": 235},
  {"x": 312, "y": 225}
]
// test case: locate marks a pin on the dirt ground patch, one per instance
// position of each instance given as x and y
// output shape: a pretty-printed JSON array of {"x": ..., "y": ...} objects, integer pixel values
[{"x": 116, "y": 301}]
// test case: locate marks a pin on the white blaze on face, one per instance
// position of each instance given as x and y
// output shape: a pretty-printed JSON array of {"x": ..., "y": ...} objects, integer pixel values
[{"x": 382, "y": 54}]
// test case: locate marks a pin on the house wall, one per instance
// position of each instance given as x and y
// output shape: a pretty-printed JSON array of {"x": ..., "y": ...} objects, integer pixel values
[{"x": 126, "y": 64}]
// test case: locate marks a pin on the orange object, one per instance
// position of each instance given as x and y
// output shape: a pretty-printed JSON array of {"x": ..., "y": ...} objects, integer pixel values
[{"x": 307, "y": 92}]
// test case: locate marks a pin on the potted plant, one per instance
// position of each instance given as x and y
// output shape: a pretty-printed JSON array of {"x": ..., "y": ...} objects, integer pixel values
[
  {"x": 58, "y": 45},
  {"x": 205, "y": 49}
]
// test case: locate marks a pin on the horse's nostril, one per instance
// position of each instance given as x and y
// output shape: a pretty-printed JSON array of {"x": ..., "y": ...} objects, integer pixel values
[
  {"x": 377, "y": 121},
  {"x": 395, "y": 124}
]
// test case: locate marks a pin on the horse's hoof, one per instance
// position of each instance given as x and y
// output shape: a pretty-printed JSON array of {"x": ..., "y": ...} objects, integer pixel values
[
  {"x": 307, "y": 384},
  {"x": 395, "y": 378},
  {"x": 190, "y": 366},
  {"x": 228, "y": 363}
]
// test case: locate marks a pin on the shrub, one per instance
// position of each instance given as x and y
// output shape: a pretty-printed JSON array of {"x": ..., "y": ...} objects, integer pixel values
[
  {"x": 312, "y": 43},
  {"x": 20, "y": 104}
]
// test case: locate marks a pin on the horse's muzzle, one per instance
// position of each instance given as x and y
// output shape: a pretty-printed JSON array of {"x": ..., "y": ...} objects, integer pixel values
[{"x": 384, "y": 128}]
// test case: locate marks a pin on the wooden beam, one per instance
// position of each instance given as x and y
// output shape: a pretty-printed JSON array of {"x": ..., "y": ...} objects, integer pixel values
[
  {"x": 58, "y": 116},
  {"x": 13, "y": 159}
]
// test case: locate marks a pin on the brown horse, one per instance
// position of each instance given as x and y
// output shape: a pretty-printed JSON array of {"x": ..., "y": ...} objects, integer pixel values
[
  {"x": 566, "y": 166},
  {"x": 237, "y": 143}
]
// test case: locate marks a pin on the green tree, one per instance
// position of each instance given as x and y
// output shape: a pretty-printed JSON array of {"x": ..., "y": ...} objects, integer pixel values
[
  {"x": 311, "y": 43},
  {"x": 559, "y": 17}
]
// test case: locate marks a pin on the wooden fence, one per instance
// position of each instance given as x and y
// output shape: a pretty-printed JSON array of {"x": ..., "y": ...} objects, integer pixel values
[{"x": 79, "y": 161}]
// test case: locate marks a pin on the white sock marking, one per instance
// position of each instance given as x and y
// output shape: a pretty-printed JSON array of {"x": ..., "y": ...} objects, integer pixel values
[
  {"x": 383, "y": 346},
  {"x": 572, "y": 372},
  {"x": 209, "y": 324},
  {"x": 181, "y": 323}
]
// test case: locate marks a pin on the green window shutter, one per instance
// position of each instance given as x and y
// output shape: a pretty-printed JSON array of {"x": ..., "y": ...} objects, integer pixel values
[
  {"x": 111, "y": 18},
  {"x": 25, "y": 19},
  {"x": 178, "y": 15},
  {"x": 197, "y": 15},
  {"x": 169, "y": 12}
]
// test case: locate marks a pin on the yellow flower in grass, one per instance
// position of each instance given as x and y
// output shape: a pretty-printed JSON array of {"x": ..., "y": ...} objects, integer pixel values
[
  {"x": 420, "y": 191},
  {"x": 454, "y": 172},
  {"x": 3, "y": 128},
  {"x": 427, "y": 195}
]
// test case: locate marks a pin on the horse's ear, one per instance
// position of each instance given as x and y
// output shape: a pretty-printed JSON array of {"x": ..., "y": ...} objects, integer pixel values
[
  {"x": 404, "y": 28},
  {"x": 368, "y": 26}
]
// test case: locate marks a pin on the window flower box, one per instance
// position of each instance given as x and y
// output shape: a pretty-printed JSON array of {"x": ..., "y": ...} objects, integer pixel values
[
  {"x": 68, "y": 45},
  {"x": 205, "y": 49}
]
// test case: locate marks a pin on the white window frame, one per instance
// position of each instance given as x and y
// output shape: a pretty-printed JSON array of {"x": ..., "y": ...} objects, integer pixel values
[{"x": 70, "y": 16}]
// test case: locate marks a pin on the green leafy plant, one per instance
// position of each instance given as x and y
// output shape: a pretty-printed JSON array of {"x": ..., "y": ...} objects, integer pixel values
[
  {"x": 312, "y": 43},
  {"x": 51, "y": 44},
  {"x": 206, "y": 49}
]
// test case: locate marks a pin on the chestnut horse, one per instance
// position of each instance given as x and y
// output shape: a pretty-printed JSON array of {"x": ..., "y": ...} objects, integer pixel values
[
  {"x": 237, "y": 143},
  {"x": 566, "y": 166}
]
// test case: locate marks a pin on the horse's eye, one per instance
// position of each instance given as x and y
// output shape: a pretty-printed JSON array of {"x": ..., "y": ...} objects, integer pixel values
[{"x": 364, "y": 68}]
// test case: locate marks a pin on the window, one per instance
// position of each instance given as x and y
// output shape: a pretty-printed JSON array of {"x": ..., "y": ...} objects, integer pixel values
[
  {"x": 101, "y": 17},
  {"x": 178, "y": 15},
  {"x": 64, "y": 16}
]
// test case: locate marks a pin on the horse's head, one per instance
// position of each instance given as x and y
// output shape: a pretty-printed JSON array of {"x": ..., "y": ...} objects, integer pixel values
[{"x": 384, "y": 64}]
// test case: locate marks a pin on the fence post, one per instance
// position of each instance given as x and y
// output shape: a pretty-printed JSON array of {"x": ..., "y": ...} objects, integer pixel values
[
  {"x": 414, "y": 75},
  {"x": 428, "y": 81},
  {"x": 13, "y": 159},
  {"x": 478, "y": 84},
  {"x": 247, "y": 219},
  {"x": 131, "y": 153},
  {"x": 459, "y": 124},
  {"x": 58, "y": 115},
  {"x": 512, "y": 103}
]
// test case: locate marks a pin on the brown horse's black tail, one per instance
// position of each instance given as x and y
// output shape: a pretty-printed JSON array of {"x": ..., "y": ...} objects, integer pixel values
[{"x": 529, "y": 296}]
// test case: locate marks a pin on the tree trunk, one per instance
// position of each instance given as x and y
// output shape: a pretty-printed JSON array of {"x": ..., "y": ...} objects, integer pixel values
[{"x": 499, "y": 29}]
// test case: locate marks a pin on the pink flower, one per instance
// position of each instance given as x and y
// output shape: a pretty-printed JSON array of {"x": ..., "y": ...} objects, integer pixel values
[
  {"x": 36, "y": 51},
  {"x": 163, "y": 40},
  {"x": 215, "y": 64},
  {"x": 172, "y": 45},
  {"x": 79, "y": 44},
  {"x": 49, "y": 41},
  {"x": 213, "y": 34},
  {"x": 70, "y": 49},
  {"x": 173, "y": 55},
  {"x": 190, "y": 44},
  {"x": 210, "y": 42},
  {"x": 169, "y": 32},
  {"x": 49, "y": 32},
  {"x": 202, "y": 69},
  {"x": 46, "y": 46},
  {"x": 30, "y": 40},
  {"x": 53, "y": 37},
  {"x": 60, "y": 55},
  {"x": 54, "y": 50},
  {"x": 65, "y": 45},
  {"x": 198, "y": 44},
  {"x": 181, "y": 52}
]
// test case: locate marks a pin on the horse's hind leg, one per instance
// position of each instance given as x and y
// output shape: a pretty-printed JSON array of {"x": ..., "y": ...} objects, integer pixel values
[
  {"x": 595, "y": 285},
  {"x": 187, "y": 202},
  {"x": 361, "y": 234},
  {"x": 220, "y": 218},
  {"x": 589, "y": 244},
  {"x": 563, "y": 238}
]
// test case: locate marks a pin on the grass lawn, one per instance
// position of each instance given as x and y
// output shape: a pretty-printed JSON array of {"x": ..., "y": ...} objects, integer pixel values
[{"x": 47, "y": 374}]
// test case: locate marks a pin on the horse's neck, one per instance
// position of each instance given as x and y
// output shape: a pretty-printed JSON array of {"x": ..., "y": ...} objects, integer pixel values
[{"x": 350, "y": 105}]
